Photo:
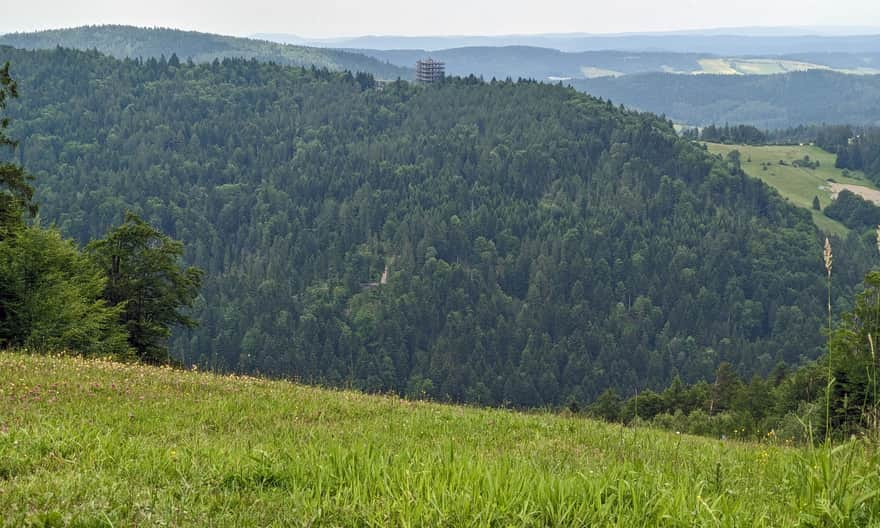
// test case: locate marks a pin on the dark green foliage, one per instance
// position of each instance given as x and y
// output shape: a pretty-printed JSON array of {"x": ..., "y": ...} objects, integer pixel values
[
  {"x": 787, "y": 402},
  {"x": 540, "y": 245},
  {"x": 734, "y": 157},
  {"x": 738, "y": 135},
  {"x": 16, "y": 194},
  {"x": 853, "y": 211},
  {"x": 607, "y": 406},
  {"x": 816, "y": 205},
  {"x": 144, "y": 279},
  {"x": 176, "y": 46},
  {"x": 861, "y": 152},
  {"x": 50, "y": 294},
  {"x": 855, "y": 400},
  {"x": 780, "y": 405},
  {"x": 50, "y": 298},
  {"x": 827, "y": 137},
  {"x": 833, "y": 138},
  {"x": 806, "y": 163},
  {"x": 8, "y": 90}
]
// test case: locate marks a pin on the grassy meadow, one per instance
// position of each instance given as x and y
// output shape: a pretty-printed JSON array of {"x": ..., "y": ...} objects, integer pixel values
[
  {"x": 799, "y": 185},
  {"x": 763, "y": 66},
  {"x": 99, "y": 443}
]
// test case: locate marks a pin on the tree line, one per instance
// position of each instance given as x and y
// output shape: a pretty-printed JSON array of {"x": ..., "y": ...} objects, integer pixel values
[
  {"x": 166, "y": 44},
  {"x": 838, "y": 390},
  {"x": 735, "y": 134}
]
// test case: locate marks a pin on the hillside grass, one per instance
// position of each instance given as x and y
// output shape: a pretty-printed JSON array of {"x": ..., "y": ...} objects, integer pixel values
[
  {"x": 99, "y": 443},
  {"x": 798, "y": 185},
  {"x": 756, "y": 66}
]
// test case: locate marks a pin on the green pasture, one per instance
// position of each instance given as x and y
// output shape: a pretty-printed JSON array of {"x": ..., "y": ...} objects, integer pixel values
[
  {"x": 798, "y": 185},
  {"x": 98, "y": 443}
]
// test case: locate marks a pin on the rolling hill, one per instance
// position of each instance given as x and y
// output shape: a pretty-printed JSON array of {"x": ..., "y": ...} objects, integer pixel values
[
  {"x": 765, "y": 101},
  {"x": 500, "y": 62},
  {"x": 97, "y": 443},
  {"x": 724, "y": 41},
  {"x": 549, "y": 64},
  {"x": 540, "y": 245},
  {"x": 135, "y": 42},
  {"x": 542, "y": 63}
]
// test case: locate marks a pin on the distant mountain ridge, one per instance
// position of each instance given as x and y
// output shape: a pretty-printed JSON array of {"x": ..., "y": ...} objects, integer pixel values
[
  {"x": 542, "y": 63},
  {"x": 733, "y": 41},
  {"x": 765, "y": 101},
  {"x": 549, "y": 61},
  {"x": 548, "y": 64},
  {"x": 134, "y": 42}
]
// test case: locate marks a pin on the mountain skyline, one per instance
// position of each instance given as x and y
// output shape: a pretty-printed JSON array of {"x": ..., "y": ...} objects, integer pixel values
[
  {"x": 452, "y": 17},
  {"x": 746, "y": 31},
  {"x": 734, "y": 41}
]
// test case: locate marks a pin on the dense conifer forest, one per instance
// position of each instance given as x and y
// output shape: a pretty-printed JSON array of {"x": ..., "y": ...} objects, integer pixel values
[
  {"x": 120, "y": 298},
  {"x": 488, "y": 242}
]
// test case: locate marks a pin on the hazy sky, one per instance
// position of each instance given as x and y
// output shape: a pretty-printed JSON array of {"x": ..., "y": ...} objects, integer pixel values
[{"x": 324, "y": 18}]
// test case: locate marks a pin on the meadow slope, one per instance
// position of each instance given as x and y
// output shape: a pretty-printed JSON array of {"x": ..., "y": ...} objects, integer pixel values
[
  {"x": 797, "y": 184},
  {"x": 98, "y": 443}
]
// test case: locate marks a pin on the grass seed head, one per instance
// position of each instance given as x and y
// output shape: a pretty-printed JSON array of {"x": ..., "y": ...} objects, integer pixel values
[{"x": 827, "y": 255}]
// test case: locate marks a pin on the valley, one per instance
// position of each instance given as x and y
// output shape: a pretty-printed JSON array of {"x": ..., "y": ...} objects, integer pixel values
[
  {"x": 495, "y": 201},
  {"x": 766, "y": 101},
  {"x": 544, "y": 279}
]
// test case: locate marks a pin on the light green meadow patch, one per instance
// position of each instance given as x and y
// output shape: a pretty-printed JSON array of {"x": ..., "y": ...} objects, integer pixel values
[
  {"x": 860, "y": 71},
  {"x": 798, "y": 185},
  {"x": 591, "y": 72},
  {"x": 771, "y": 66},
  {"x": 95, "y": 443},
  {"x": 716, "y": 67},
  {"x": 746, "y": 66}
]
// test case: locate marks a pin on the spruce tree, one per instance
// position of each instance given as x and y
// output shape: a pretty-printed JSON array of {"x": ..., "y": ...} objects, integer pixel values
[{"x": 145, "y": 277}]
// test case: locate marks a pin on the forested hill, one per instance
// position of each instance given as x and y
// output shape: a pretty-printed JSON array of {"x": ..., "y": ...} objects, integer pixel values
[
  {"x": 540, "y": 245},
  {"x": 765, "y": 101},
  {"x": 135, "y": 42}
]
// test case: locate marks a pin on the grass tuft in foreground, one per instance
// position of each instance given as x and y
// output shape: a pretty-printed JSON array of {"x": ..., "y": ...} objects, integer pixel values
[{"x": 96, "y": 443}]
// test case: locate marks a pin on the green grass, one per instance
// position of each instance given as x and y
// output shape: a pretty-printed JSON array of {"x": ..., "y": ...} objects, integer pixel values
[
  {"x": 798, "y": 185},
  {"x": 96, "y": 443}
]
